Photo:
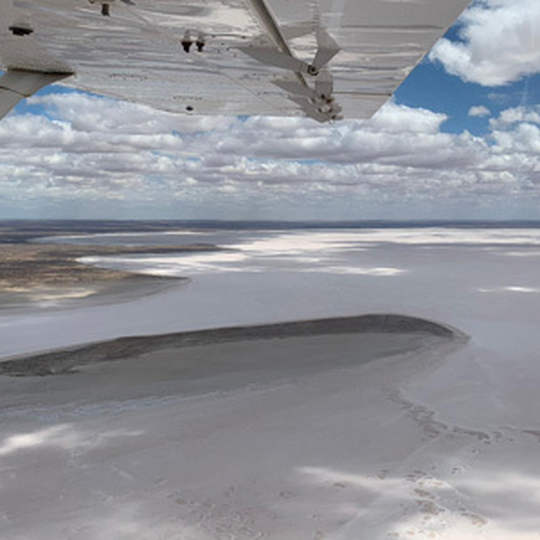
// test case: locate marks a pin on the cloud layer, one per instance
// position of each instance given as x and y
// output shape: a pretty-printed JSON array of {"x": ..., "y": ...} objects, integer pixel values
[
  {"x": 87, "y": 152},
  {"x": 500, "y": 43}
]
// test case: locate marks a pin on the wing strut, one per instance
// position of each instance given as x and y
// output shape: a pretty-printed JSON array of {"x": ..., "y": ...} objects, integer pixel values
[
  {"x": 17, "y": 84},
  {"x": 317, "y": 102}
]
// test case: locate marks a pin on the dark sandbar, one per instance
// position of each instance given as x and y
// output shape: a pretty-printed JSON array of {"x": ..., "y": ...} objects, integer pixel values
[{"x": 68, "y": 359}]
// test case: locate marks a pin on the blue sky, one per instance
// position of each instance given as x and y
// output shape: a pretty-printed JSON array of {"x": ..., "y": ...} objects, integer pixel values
[
  {"x": 460, "y": 139},
  {"x": 432, "y": 87}
]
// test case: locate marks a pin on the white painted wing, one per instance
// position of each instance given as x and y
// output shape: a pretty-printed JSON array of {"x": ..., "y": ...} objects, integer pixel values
[{"x": 136, "y": 53}]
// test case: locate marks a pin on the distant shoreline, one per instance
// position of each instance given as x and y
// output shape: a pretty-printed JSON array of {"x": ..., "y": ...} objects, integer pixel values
[{"x": 26, "y": 230}]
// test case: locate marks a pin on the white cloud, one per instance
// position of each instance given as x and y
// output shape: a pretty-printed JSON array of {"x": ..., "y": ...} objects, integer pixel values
[
  {"x": 97, "y": 114},
  {"x": 479, "y": 110},
  {"x": 501, "y": 43},
  {"x": 399, "y": 118},
  {"x": 96, "y": 149},
  {"x": 517, "y": 115}
]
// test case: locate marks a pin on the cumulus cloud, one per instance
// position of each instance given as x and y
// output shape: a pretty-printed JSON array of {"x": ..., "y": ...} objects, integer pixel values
[
  {"x": 479, "y": 110},
  {"x": 85, "y": 150},
  {"x": 93, "y": 113},
  {"x": 517, "y": 115},
  {"x": 500, "y": 43}
]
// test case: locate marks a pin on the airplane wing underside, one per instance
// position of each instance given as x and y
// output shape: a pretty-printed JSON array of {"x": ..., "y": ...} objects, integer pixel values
[{"x": 325, "y": 59}]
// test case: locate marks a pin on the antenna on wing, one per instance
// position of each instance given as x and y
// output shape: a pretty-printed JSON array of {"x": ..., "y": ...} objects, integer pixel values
[{"x": 106, "y": 5}]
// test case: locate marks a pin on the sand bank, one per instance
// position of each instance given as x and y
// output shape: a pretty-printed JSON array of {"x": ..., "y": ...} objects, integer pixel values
[{"x": 68, "y": 359}]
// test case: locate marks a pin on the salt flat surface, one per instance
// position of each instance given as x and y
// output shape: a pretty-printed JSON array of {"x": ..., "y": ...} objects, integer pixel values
[
  {"x": 439, "y": 442},
  {"x": 472, "y": 279},
  {"x": 240, "y": 441}
]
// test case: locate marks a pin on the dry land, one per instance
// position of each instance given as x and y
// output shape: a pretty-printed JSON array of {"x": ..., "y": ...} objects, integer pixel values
[{"x": 49, "y": 273}]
